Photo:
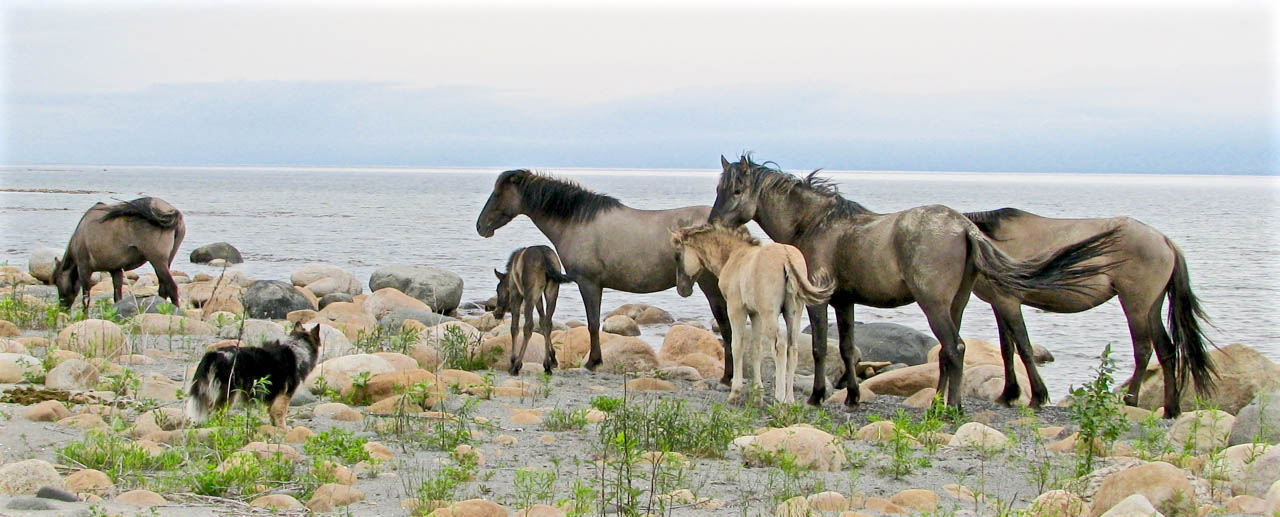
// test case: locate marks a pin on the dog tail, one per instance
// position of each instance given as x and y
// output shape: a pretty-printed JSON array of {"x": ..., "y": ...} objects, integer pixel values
[{"x": 206, "y": 385}]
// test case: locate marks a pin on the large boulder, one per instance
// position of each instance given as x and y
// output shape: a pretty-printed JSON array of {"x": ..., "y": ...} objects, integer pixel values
[
  {"x": 683, "y": 340},
  {"x": 1251, "y": 469},
  {"x": 339, "y": 371},
  {"x": 621, "y": 325},
  {"x": 642, "y": 314},
  {"x": 255, "y": 332},
  {"x": 15, "y": 367},
  {"x": 72, "y": 374},
  {"x": 1202, "y": 431},
  {"x": 1242, "y": 374},
  {"x": 326, "y": 279},
  {"x": 273, "y": 299},
  {"x": 904, "y": 382},
  {"x": 438, "y": 288},
  {"x": 395, "y": 318},
  {"x": 94, "y": 338},
  {"x": 890, "y": 342},
  {"x": 1157, "y": 481},
  {"x": 812, "y": 448},
  {"x": 26, "y": 477},
  {"x": 389, "y": 299},
  {"x": 1258, "y": 421},
  {"x": 130, "y": 305},
  {"x": 626, "y": 354},
  {"x": 40, "y": 265},
  {"x": 217, "y": 250}
]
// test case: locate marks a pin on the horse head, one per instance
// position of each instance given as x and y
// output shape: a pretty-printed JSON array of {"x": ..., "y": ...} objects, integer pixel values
[
  {"x": 736, "y": 195},
  {"x": 504, "y": 293},
  {"x": 503, "y": 204},
  {"x": 65, "y": 277},
  {"x": 688, "y": 265}
]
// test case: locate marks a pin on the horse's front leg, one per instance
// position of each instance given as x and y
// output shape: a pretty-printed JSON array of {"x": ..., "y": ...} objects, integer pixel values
[
  {"x": 117, "y": 284},
  {"x": 529, "y": 304},
  {"x": 818, "y": 331},
  {"x": 738, "y": 320},
  {"x": 848, "y": 354},
  {"x": 591, "y": 293},
  {"x": 711, "y": 289},
  {"x": 551, "y": 293},
  {"x": 86, "y": 285},
  {"x": 517, "y": 353}
]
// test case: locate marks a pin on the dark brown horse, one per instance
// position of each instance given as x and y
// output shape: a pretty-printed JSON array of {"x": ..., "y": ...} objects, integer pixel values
[
  {"x": 929, "y": 255},
  {"x": 1149, "y": 267},
  {"x": 118, "y": 238},
  {"x": 533, "y": 276},
  {"x": 602, "y": 242}
]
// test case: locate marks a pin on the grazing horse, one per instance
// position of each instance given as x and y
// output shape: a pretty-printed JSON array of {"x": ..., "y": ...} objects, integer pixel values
[
  {"x": 117, "y": 238},
  {"x": 759, "y": 281},
  {"x": 929, "y": 255},
  {"x": 602, "y": 242},
  {"x": 533, "y": 276},
  {"x": 1149, "y": 268}
]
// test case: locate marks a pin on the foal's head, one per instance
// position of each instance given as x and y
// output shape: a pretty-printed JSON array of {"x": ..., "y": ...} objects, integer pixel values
[
  {"x": 504, "y": 294},
  {"x": 699, "y": 248}
]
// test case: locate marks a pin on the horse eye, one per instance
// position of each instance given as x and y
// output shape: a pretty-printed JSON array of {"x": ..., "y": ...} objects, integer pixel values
[{"x": 737, "y": 191}]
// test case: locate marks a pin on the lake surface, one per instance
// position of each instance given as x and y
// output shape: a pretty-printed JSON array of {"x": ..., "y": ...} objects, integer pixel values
[{"x": 364, "y": 218}]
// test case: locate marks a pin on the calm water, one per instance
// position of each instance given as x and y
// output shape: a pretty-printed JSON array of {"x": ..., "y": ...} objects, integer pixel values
[{"x": 361, "y": 219}]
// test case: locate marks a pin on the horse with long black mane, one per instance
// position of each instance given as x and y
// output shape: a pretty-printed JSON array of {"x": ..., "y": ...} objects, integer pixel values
[
  {"x": 602, "y": 242},
  {"x": 1149, "y": 267},
  {"x": 930, "y": 255},
  {"x": 118, "y": 238},
  {"x": 533, "y": 277}
]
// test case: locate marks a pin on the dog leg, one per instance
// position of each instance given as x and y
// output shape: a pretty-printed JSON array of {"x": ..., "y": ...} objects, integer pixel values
[{"x": 279, "y": 410}]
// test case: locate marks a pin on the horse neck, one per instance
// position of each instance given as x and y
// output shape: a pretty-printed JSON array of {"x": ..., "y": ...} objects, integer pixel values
[{"x": 553, "y": 227}]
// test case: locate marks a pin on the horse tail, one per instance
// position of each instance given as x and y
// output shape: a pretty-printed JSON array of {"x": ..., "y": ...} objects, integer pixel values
[
  {"x": 552, "y": 263},
  {"x": 1061, "y": 270},
  {"x": 1188, "y": 337},
  {"x": 144, "y": 209},
  {"x": 809, "y": 292}
]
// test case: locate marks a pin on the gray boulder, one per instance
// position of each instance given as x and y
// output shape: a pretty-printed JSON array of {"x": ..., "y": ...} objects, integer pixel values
[
  {"x": 334, "y": 297},
  {"x": 273, "y": 299},
  {"x": 256, "y": 332},
  {"x": 395, "y": 319},
  {"x": 888, "y": 342},
  {"x": 40, "y": 265},
  {"x": 1258, "y": 420},
  {"x": 438, "y": 288},
  {"x": 130, "y": 306},
  {"x": 217, "y": 250}
]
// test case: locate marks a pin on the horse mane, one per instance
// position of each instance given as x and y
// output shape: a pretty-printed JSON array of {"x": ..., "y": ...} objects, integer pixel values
[
  {"x": 989, "y": 221},
  {"x": 767, "y": 177},
  {"x": 716, "y": 232},
  {"x": 142, "y": 208},
  {"x": 557, "y": 197}
]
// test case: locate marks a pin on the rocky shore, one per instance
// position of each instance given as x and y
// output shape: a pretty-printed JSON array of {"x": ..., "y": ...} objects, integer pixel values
[{"x": 412, "y": 412}]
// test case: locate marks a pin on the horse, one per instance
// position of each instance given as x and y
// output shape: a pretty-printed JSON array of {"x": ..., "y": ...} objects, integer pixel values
[
  {"x": 930, "y": 255},
  {"x": 602, "y": 242},
  {"x": 118, "y": 238},
  {"x": 533, "y": 276},
  {"x": 759, "y": 281},
  {"x": 1150, "y": 267}
]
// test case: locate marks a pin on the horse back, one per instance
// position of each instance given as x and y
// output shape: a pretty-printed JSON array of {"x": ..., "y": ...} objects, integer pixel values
[
  {"x": 628, "y": 249},
  {"x": 123, "y": 242}
]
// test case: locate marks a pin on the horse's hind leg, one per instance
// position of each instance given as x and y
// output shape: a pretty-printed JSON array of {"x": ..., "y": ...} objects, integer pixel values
[
  {"x": 1013, "y": 338},
  {"x": 591, "y": 294},
  {"x": 117, "y": 284},
  {"x": 791, "y": 316},
  {"x": 551, "y": 293},
  {"x": 529, "y": 303},
  {"x": 517, "y": 351},
  {"x": 738, "y": 319},
  {"x": 1168, "y": 357},
  {"x": 765, "y": 329},
  {"x": 1140, "y": 330},
  {"x": 168, "y": 287},
  {"x": 848, "y": 355},
  {"x": 951, "y": 356}
]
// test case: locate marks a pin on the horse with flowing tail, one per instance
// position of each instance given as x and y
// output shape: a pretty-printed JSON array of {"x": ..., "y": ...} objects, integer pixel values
[
  {"x": 930, "y": 255},
  {"x": 533, "y": 277},
  {"x": 118, "y": 238},
  {"x": 602, "y": 242},
  {"x": 760, "y": 282},
  {"x": 1149, "y": 268}
]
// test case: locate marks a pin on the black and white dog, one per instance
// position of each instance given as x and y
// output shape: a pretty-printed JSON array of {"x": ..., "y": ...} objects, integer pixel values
[{"x": 228, "y": 375}]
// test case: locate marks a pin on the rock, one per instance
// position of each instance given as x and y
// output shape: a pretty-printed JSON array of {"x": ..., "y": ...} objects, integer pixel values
[
  {"x": 1258, "y": 421},
  {"x": 1157, "y": 482},
  {"x": 540, "y": 510},
  {"x": 642, "y": 314},
  {"x": 1242, "y": 373},
  {"x": 621, "y": 325},
  {"x": 14, "y": 368},
  {"x": 26, "y": 477},
  {"x": 257, "y": 332},
  {"x": 828, "y": 502},
  {"x": 812, "y": 448},
  {"x": 1041, "y": 354},
  {"x": 883, "y": 506},
  {"x": 395, "y": 319},
  {"x": 395, "y": 404},
  {"x": 708, "y": 367},
  {"x": 438, "y": 288},
  {"x": 1245, "y": 504},
  {"x": 217, "y": 250},
  {"x": 1058, "y": 502},
  {"x": 29, "y": 504},
  {"x": 162, "y": 419},
  {"x": 460, "y": 378},
  {"x": 326, "y": 279},
  {"x": 89, "y": 480},
  {"x": 333, "y": 343},
  {"x": 534, "y": 353},
  {"x": 339, "y": 371},
  {"x": 917, "y": 499},
  {"x": 650, "y": 384},
  {"x": 477, "y": 508},
  {"x": 141, "y": 498},
  {"x": 273, "y": 299},
  {"x": 881, "y": 431},
  {"x": 683, "y": 340},
  {"x": 921, "y": 399},
  {"x": 57, "y": 494},
  {"x": 388, "y": 299},
  {"x": 47, "y": 411},
  {"x": 94, "y": 338},
  {"x": 384, "y": 385},
  {"x": 1252, "y": 469},
  {"x": 1273, "y": 499},
  {"x": 40, "y": 265},
  {"x": 1135, "y": 505},
  {"x": 329, "y": 409},
  {"x": 160, "y": 390},
  {"x": 797, "y": 506},
  {"x": 8, "y": 329},
  {"x": 975, "y": 434},
  {"x": 277, "y": 502},
  {"x": 333, "y": 297},
  {"x": 1201, "y": 431},
  {"x": 904, "y": 382},
  {"x": 130, "y": 305},
  {"x": 628, "y": 354},
  {"x": 890, "y": 342},
  {"x": 162, "y": 324},
  {"x": 269, "y": 451},
  {"x": 681, "y": 373},
  {"x": 84, "y": 421}
]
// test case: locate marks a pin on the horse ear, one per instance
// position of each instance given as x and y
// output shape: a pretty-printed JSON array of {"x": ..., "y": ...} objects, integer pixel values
[
  {"x": 499, "y": 274},
  {"x": 724, "y": 164}
]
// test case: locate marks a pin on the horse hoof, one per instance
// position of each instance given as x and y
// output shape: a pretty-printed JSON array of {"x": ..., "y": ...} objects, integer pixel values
[
  {"x": 725, "y": 381},
  {"x": 850, "y": 407},
  {"x": 514, "y": 371},
  {"x": 816, "y": 399},
  {"x": 593, "y": 364}
]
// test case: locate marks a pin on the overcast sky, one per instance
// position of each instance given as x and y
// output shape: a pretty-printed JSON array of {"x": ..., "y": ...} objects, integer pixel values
[{"x": 1135, "y": 88}]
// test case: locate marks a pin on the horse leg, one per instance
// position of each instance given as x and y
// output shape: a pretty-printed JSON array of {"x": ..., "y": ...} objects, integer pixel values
[
  {"x": 780, "y": 364},
  {"x": 117, "y": 284},
  {"x": 791, "y": 316},
  {"x": 517, "y": 352},
  {"x": 1039, "y": 393},
  {"x": 168, "y": 287},
  {"x": 848, "y": 354},
  {"x": 551, "y": 293},
  {"x": 529, "y": 303},
  {"x": 715, "y": 298},
  {"x": 1168, "y": 357},
  {"x": 1140, "y": 332},
  {"x": 951, "y": 356},
  {"x": 738, "y": 319},
  {"x": 818, "y": 331},
  {"x": 86, "y": 279},
  {"x": 765, "y": 330},
  {"x": 591, "y": 294}
]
